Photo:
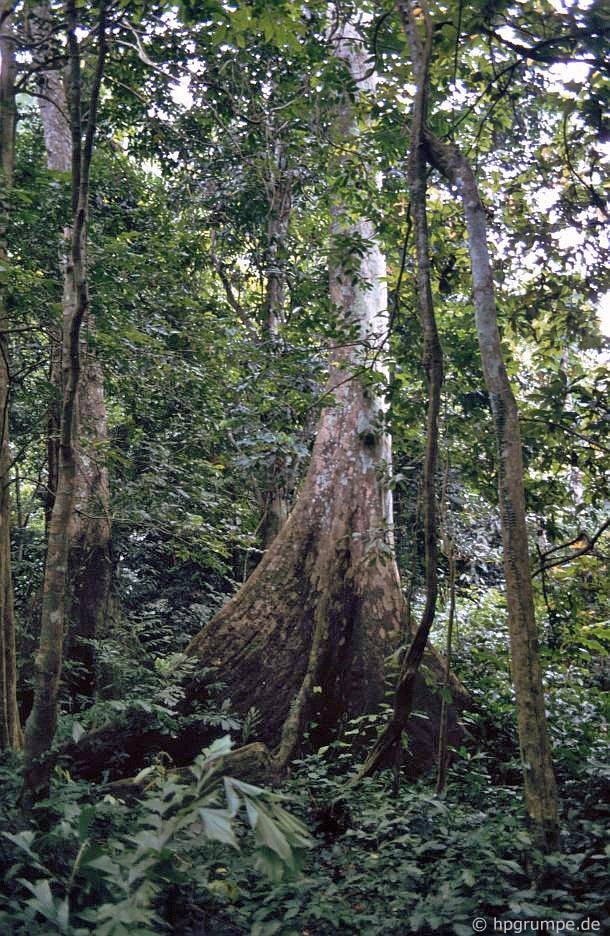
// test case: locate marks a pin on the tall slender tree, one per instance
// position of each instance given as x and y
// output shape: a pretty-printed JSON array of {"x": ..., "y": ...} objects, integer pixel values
[
  {"x": 389, "y": 746},
  {"x": 89, "y": 576},
  {"x": 10, "y": 728},
  {"x": 42, "y": 721},
  {"x": 278, "y": 192}
]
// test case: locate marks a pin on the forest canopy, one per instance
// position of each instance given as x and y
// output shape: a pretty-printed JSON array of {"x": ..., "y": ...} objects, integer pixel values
[{"x": 304, "y": 502}]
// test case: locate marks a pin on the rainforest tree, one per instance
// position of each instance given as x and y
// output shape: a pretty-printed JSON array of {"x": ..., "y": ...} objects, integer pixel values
[
  {"x": 42, "y": 721},
  {"x": 90, "y": 562},
  {"x": 326, "y": 596}
]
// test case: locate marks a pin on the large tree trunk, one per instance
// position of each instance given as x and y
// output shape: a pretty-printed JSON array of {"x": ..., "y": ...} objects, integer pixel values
[
  {"x": 317, "y": 614},
  {"x": 10, "y": 727},
  {"x": 305, "y": 637},
  {"x": 539, "y": 778},
  {"x": 89, "y": 577},
  {"x": 42, "y": 721}
]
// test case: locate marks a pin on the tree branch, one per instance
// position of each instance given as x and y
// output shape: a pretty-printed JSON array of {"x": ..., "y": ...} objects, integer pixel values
[{"x": 589, "y": 546}]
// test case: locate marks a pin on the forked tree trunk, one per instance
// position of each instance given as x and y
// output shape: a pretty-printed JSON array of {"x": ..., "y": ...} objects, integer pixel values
[
  {"x": 89, "y": 577},
  {"x": 10, "y": 727},
  {"x": 305, "y": 637},
  {"x": 42, "y": 722}
]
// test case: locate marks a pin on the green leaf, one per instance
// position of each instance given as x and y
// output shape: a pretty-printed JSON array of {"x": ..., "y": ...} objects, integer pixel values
[
  {"x": 468, "y": 878},
  {"x": 269, "y": 834},
  {"x": 217, "y": 826},
  {"x": 77, "y": 731}
]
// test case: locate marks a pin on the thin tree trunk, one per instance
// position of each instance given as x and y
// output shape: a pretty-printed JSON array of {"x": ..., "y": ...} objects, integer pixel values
[
  {"x": 279, "y": 200},
  {"x": 89, "y": 574},
  {"x": 10, "y": 727},
  {"x": 539, "y": 778},
  {"x": 55, "y": 118},
  {"x": 42, "y": 722},
  {"x": 448, "y": 548},
  {"x": 388, "y": 746},
  {"x": 443, "y": 741}
]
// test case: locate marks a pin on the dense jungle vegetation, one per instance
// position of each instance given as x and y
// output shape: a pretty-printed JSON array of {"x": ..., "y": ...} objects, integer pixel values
[{"x": 304, "y": 503}]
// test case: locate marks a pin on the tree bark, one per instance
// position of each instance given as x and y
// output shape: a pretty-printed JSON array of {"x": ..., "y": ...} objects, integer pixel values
[
  {"x": 539, "y": 778},
  {"x": 10, "y": 727},
  {"x": 89, "y": 576},
  {"x": 48, "y": 58},
  {"x": 55, "y": 118},
  {"x": 42, "y": 721}
]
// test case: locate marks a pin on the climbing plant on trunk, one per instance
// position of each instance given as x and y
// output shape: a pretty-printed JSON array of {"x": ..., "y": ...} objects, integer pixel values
[{"x": 42, "y": 722}]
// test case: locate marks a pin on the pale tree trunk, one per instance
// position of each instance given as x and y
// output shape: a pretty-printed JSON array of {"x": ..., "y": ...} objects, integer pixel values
[
  {"x": 278, "y": 189},
  {"x": 48, "y": 58},
  {"x": 89, "y": 577},
  {"x": 42, "y": 721},
  {"x": 10, "y": 727},
  {"x": 389, "y": 744},
  {"x": 305, "y": 637}
]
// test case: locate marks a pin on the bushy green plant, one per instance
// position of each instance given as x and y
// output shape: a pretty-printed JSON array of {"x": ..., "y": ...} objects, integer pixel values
[{"x": 88, "y": 876}]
